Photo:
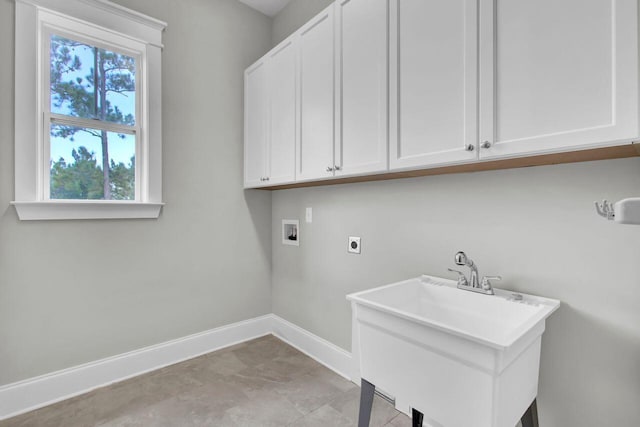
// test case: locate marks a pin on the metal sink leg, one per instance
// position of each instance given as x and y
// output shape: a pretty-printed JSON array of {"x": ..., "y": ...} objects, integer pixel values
[
  {"x": 366, "y": 402},
  {"x": 530, "y": 417}
]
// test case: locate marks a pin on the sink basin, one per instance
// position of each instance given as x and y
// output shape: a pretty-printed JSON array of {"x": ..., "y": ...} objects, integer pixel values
[{"x": 459, "y": 357}]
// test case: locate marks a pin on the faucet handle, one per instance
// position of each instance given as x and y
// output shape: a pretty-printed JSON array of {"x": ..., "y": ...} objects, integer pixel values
[
  {"x": 462, "y": 279},
  {"x": 486, "y": 281}
]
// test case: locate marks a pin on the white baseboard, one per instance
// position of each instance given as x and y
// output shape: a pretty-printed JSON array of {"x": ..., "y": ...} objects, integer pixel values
[
  {"x": 330, "y": 355},
  {"x": 44, "y": 390},
  {"x": 33, "y": 393}
]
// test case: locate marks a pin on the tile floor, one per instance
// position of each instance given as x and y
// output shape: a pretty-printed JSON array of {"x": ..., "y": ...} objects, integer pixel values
[{"x": 263, "y": 382}]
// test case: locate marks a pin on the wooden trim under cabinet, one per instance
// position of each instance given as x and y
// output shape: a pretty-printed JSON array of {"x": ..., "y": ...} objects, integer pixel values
[{"x": 607, "y": 153}]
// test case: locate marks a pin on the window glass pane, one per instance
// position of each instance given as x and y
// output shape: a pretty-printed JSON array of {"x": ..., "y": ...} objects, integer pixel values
[
  {"x": 78, "y": 158},
  {"x": 90, "y": 82}
]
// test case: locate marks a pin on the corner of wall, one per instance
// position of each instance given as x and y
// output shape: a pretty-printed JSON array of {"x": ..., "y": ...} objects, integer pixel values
[{"x": 293, "y": 16}]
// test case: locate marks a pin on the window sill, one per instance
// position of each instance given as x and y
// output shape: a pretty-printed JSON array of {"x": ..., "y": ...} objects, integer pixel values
[{"x": 81, "y": 209}]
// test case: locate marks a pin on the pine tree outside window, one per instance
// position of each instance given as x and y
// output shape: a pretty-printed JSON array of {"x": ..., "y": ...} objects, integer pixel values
[
  {"x": 92, "y": 115},
  {"x": 88, "y": 115}
]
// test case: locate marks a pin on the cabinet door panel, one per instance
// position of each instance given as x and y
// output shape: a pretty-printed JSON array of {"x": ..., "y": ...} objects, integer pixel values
[
  {"x": 281, "y": 161},
  {"x": 315, "y": 145},
  {"x": 564, "y": 75},
  {"x": 433, "y": 83},
  {"x": 361, "y": 142},
  {"x": 255, "y": 120}
]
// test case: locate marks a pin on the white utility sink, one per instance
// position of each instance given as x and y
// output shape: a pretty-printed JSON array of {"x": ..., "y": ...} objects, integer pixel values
[{"x": 461, "y": 358}]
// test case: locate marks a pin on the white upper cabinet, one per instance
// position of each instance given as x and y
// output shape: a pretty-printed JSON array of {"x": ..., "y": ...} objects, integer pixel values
[
  {"x": 369, "y": 86},
  {"x": 361, "y": 120},
  {"x": 316, "y": 64},
  {"x": 557, "y": 75},
  {"x": 255, "y": 124},
  {"x": 433, "y": 82},
  {"x": 281, "y": 72},
  {"x": 270, "y": 118}
]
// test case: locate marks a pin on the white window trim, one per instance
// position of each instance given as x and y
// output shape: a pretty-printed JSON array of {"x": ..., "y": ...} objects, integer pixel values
[{"x": 145, "y": 33}]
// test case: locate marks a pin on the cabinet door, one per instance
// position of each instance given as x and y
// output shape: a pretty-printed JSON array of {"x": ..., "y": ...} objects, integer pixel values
[
  {"x": 433, "y": 82},
  {"x": 255, "y": 124},
  {"x": 281, "y": 71},
  {"x": 557, "y": 75},
  {"x": 316, "y": 65},
  {"x": 361, "y": 120}
]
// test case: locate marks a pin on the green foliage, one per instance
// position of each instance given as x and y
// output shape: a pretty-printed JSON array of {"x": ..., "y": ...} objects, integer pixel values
[
  {"x": 87, "y": 97},
  {"x": 123, "y": 180},
  {"x": 83, "y": 179}
]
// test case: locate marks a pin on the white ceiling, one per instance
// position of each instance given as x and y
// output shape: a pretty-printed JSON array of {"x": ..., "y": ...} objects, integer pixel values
[{"x": 268, "y": 7}]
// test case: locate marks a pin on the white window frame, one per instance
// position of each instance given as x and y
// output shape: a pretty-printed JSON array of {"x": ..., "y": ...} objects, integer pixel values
[{"x": 103, "y": 24}]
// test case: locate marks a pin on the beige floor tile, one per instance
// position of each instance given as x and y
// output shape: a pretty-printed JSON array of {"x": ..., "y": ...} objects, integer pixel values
[
  {"x": 324, "y": 416},
  {"x": 200, "y": 406},
  {"x": 264, "y": 382},
  {"x": 348, "y": 403},
  {"x": 262, "y": 410},
  {"x": 225, "y": 363},
  {"x": 400, "y": 420},
  {"x": 308, "y": 392}
]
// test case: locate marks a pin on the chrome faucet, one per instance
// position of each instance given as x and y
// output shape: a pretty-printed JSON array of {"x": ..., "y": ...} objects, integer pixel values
[{"x": 472, "y": 284}]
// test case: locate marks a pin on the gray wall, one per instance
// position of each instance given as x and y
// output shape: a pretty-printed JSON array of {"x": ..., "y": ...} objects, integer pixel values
[
  {"x": 536, "y": 227},
  {"x": 77, "y": 291},
  {"x": 296, "y": 13}
]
